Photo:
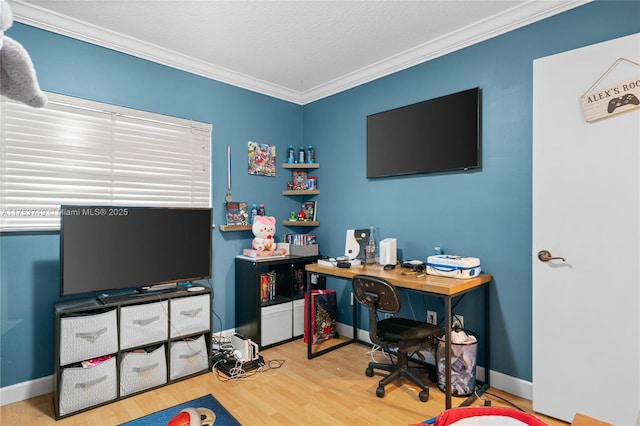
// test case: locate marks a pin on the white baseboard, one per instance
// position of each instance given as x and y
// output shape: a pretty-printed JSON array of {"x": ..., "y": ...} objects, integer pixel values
[
  {"x": 26, "y": 390},
  {"x": 44, "y": 385},
  {"x": 512, "y": 385}
]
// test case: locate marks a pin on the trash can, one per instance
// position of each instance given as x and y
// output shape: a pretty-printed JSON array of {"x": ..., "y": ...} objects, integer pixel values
[{"x": 464, "y": 351}]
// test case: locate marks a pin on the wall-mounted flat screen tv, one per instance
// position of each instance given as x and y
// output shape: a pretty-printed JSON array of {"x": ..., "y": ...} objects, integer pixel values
[
  {"x": 106, "y": 248},
  {"x": 436, "y": 135}
]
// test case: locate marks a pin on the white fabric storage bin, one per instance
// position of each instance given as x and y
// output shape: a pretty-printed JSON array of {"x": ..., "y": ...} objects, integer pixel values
[
  {"x": 188, "y": 357},
  {"x": 277, "y": 323},
  {"x": 82, "y": 387},
  {"x": 88, "y": 336},
  {"x": 140, "y": 371},
  {"x": 190, "y": 315},
  {"x": 143, "y": 324},
  {"x": 298, "y": 317}
]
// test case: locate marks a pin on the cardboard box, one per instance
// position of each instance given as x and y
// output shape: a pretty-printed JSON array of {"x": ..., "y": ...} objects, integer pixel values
[{"x": 310, "y": 250}]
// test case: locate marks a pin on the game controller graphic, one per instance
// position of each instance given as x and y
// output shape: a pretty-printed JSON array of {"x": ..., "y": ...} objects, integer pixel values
[{"x": 623, "y": 100}]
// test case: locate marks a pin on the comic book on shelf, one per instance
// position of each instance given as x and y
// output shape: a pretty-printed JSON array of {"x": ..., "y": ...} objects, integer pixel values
[
  {"x": 236, "y": 213},
  {"x": 310, "y": 209}
]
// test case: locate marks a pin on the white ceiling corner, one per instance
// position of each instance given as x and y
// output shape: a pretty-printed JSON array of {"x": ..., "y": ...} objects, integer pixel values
[{"x": 299, "y": 51}]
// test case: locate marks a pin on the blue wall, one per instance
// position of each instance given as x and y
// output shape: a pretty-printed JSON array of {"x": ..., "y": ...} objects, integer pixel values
[
  {"x": 484, "y": 213},
  {"x": 30, "y": 261}
]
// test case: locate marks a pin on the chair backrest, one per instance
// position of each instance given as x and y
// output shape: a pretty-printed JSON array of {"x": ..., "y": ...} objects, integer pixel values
[{"x": 377, "y": 293}]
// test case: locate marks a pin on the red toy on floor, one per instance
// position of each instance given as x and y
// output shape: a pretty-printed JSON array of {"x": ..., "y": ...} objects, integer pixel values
[{"x": 193, "y": 417}]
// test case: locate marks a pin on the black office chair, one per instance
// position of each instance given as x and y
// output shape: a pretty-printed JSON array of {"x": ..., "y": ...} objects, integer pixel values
[{"x": 409, "y": 336}]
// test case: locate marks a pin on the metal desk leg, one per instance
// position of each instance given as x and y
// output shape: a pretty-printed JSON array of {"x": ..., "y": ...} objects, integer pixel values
[
  {"x": 487, "y": 351},
  {"x": 308, "y": 329},
  {"x": 487, "y": 335},
  {"x": 447, "y": 350},
  {"x": 354, "y": 319}
]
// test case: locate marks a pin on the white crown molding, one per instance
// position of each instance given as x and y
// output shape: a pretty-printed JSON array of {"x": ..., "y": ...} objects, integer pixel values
[
  {"x": 514, "y": 18},
  {"x": 38, "y": 17},
  {"x": 494, "y": 26}
]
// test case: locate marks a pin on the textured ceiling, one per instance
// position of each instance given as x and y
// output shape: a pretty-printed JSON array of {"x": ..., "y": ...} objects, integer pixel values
[{"x": 295, "y": 50}]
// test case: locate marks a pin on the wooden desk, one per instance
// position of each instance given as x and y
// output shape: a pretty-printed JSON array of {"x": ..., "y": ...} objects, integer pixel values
[{"x": 433, "y": 285}]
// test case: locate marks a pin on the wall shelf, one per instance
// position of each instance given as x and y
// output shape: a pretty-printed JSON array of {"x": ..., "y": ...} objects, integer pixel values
[
  {"x": 300, "y": 223},
  {"x": 301, "y": 192},
  {"x": 305, "y": 193},
  {"x": 301, "y": 166},
  {"x": 230, "y": 228}
]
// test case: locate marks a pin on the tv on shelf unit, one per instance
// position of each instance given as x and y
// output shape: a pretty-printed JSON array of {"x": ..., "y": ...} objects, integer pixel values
[
  {"x": 150, "y": 333},
  {"x": 107, "y": 248},
  {"x": 112, "y": 350}
]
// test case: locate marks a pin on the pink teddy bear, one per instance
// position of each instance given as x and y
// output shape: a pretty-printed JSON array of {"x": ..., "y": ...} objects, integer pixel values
[{"x": 264, "y": 228}]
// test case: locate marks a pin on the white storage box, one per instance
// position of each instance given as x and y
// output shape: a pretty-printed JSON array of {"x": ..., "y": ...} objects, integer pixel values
[
  {"x": 453, "y": 266},
  {"x": 190, "y": 315},
  {"x": 277, "y": 323},
  {"x": 140, "y": 371},
  {"x": 88, "y": 336},
  {"x": 82, "y": 387},
  {"x": 188, "y": 357},
  {"x": 143, "y": 324}
]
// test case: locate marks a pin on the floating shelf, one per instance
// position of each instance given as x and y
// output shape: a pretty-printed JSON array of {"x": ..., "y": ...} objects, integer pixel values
[
  {"x": 300, "y": 223},
  {"x": 301, "y": 166},
  {"x": 301, "y": 192},
  {"x": 229, "y": 228}
]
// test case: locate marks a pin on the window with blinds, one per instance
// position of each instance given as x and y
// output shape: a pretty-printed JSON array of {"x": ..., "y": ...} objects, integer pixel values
[{"x": 75, "y": 151}]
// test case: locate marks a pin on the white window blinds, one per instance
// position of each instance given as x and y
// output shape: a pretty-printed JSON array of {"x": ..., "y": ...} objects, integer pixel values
[{"x": 75, "y": 151}]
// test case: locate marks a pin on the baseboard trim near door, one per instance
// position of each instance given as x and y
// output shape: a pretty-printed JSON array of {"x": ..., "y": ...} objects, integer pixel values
[{"x": 26, "y": 390}]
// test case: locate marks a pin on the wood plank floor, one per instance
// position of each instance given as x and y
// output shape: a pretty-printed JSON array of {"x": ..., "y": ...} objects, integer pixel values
[{"x": 331, "y": 389}]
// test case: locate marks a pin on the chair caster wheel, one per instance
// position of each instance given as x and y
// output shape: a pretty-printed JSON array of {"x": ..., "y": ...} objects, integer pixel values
[
  {"x": 380, "y": 392},
  {"x": 369, "y": 372},
  {"x": 424, "y": 396}
]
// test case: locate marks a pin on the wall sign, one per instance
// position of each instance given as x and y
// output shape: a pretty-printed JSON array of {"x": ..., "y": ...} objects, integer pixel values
[{"x": 624, "y": 96}]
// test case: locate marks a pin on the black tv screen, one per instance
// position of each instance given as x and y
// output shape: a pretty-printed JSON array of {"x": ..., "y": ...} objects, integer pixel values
[
  {"x": 436, "y": 135},
  {"x": 109, "y": 248}
]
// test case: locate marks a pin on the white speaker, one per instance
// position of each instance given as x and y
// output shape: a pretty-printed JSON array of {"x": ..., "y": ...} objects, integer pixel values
[{"x": 388, "y": 252}]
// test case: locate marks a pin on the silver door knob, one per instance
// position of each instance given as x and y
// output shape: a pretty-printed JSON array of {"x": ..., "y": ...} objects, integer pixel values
[{"x": 545, "y": 256}]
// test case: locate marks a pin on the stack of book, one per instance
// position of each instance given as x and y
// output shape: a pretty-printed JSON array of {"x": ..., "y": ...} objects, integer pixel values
[
  {"x": 300, "y": 244},
  {"x": 299, "y": 239}
]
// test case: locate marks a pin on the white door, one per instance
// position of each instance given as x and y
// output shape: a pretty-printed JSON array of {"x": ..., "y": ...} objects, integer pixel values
[{"x": 586, "y": 192}]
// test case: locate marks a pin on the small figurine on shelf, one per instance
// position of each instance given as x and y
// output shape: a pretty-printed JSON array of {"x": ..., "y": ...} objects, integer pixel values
[
  {"x": 289, "y": 185},
  {"x": 292, "y": 216},
  {"x": 302, "y": 215}
]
